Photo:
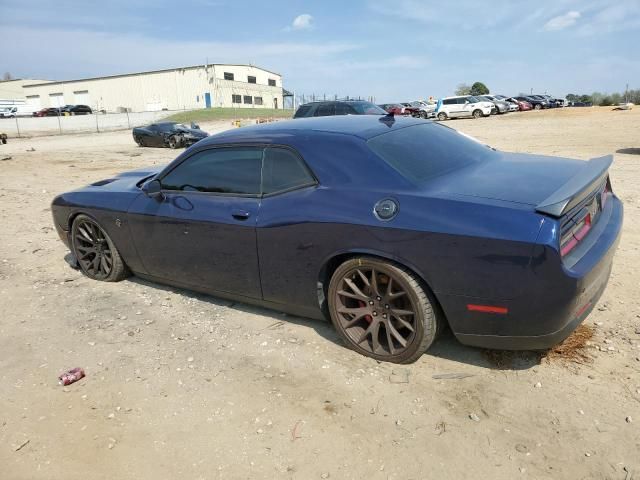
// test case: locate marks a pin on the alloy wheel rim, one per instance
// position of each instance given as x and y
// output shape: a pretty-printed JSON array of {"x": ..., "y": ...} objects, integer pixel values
[
  {"x": 92, "y": 249},
  {"x": 375, "y": 311}
]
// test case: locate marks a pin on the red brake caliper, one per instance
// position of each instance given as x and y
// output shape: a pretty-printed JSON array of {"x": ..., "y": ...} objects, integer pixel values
[{"x": 366, "y": 317}]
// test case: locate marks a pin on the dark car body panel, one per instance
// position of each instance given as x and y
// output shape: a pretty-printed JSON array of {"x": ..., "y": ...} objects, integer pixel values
[
  {"x": 158, "y": 134},
  {"x": 472, "y": 235}
]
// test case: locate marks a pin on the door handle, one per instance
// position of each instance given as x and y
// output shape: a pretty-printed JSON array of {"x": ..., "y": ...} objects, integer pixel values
[{"x": 240, "y": 214}]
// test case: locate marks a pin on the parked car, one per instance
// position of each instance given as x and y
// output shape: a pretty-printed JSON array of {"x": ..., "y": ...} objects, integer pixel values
[
  {"x": 48, "y": 112},
  {"x": 76, "y": 110},
  {"x": 398, "y": 109},
  {"x": 338, "y": 107},
  {"x": 523, "y": 105},
  {"x": 536, "y": 103},
  {"x": 463, "y": 106},
  {"x": 168, "y": 134},
  {"x": 501, "y": 106},
  {"x": 513, "y": 106},
  {"x": 427, "y": 110},
  {"x": 413, "y": 111},
  {"x": 392, "y": 227}
]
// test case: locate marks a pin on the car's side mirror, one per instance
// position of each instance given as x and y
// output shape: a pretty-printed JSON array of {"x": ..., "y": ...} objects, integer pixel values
[
  {"x": 153, "y": 189},
  {"x": 195, "y": 126}
]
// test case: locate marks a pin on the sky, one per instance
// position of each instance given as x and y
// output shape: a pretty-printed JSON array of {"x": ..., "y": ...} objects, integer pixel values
[{"x": 393, "y": 50}]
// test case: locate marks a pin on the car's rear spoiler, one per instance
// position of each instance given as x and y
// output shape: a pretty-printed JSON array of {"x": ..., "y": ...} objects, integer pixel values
[{"x": 577, "y": 188}]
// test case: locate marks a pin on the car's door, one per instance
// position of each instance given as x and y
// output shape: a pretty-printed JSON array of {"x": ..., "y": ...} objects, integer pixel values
[
  {"x": 149, "y": 135},
  {"x": 464, "y": 107},
  {"x": 289, "y": 187},
  {"x": 201, "y": 231}
]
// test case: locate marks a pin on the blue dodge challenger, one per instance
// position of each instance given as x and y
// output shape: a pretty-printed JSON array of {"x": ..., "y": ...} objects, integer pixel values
[{"x": 391, "y": 227}]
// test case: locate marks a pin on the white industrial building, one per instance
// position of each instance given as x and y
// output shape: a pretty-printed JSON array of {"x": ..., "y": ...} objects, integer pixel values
[
  {"x": 14, "y": 89},
  {"x": 199, "y": 86}
]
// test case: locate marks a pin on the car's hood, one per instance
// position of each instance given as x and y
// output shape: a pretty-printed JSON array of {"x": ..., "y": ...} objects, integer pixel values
[
  {"x": 195, "y": 132},
  {"x": 140, "y": 173},
  {"x": 483, "y": 104},
  {"x": 511, "y": 177}
]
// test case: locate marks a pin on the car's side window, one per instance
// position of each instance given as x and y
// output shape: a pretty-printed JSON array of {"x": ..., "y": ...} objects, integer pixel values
[
  {"x": 344, "y": 109},
  {"x": 218, "y": 170},
  {"x": 326, "y": 110},
  {"x": 284, "y": 170}
]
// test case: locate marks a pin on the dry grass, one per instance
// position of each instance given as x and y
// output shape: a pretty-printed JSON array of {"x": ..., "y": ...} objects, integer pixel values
[{"x": 574, "y": 348}]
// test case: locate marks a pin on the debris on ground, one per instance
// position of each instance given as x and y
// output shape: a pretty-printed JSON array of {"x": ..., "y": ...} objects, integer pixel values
[
  {"x": 399, "y": 375},
  {"x": 451, "y": 376},
  {"x": 574, "y": 348},
  {"x": 8, "y": 157},
  {"x": 72, "y": 376},
  {"x": 22, "y": 445}
]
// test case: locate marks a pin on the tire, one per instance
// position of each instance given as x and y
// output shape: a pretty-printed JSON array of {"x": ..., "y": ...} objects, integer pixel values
[
  {"x": 537, "y": 107},
  {"x": 89, "y": 242},
  {"x": 174, "y": 142},
  {"x": 442, "y": 116},
  {"x": 139, "y": 141},
  {"x": 358, "y": 328},
  {"x": 477, "y": 113}
]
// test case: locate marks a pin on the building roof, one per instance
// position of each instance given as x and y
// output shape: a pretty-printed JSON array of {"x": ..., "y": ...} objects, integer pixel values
[{"x": 190, "y": 67}]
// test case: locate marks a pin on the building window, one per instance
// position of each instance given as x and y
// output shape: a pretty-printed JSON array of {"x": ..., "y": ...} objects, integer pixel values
[
  {"x": 257, "y": 100},
  {"x": 248, "y": 99},
  {"x": 236, "y": 99},
  {"x": 228, "y": 76},
  {"x": 272, "y": 82},
  {"x": 251, "y": 79}
]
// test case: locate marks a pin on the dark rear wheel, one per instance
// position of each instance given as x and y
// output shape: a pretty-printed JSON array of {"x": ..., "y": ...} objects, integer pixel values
[
  {"x": 442, "y": 116},
  {"x": 97, "y": 255},
  {"x": 381, "y": 310},
  {"x": 477, "y": 113}
]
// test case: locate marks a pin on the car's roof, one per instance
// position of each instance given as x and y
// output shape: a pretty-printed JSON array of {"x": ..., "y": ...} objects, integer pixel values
[
  {"x": 319, "y": 102},
  {"x": 363, "y": 126}
]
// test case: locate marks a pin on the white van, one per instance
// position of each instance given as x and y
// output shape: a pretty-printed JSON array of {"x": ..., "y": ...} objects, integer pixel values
[
  {"x": 16, "y": 111},
  {"x": 463, "y": 106}
]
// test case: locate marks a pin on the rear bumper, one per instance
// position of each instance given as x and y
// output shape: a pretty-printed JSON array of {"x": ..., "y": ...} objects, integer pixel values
[{"x": 555, "y": 301}]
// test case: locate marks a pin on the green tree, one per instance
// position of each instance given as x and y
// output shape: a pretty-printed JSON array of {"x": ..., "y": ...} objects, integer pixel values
[
  {"x": 463, "y": 89},
  {"x": 479, "y": 88}
]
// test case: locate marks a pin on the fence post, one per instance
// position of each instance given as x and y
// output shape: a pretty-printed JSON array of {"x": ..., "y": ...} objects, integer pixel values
[
  {"x": 128, "y": 122},
  {"x": 97, "y": 129},
  {"x": 59, "y": 124},
  {"x": 17, "y": 126}
]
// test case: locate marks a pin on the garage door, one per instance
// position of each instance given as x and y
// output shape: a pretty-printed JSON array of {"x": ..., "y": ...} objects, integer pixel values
[
  {"x": 56, "y": 100},
  {"x": 34, "y": 102},
  {"x": 81, "y": 97}
]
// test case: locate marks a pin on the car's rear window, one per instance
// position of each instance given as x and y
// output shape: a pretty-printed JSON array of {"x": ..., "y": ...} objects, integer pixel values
[
  {"x": 366, "y": 108},
  {"x": 421, "y": 152}
]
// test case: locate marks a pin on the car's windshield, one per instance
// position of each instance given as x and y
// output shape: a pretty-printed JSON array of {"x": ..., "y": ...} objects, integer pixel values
[
  {"x": 421, "y": 152},
  {"x": 366, "y": 108},
  {"x": 475, "y": 99}
]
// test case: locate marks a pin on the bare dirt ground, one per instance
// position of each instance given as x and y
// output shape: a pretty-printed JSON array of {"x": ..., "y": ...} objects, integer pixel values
[{"x": 185, "y": 386}]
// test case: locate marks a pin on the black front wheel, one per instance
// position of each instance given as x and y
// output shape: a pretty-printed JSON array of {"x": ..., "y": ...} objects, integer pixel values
[
  {"x": 381, "y": 310},
  {"x": 139, "y": 141},
  {"x": 97, "y": 256},
  {"x": 477, "y": 113}
]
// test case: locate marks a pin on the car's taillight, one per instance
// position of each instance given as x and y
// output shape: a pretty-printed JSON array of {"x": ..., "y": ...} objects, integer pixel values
[{"x": 573, "y": 233}]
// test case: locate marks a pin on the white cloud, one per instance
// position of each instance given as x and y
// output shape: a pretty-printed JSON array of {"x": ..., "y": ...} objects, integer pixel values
[
  {"x": 302, "y": 22},
  {"x": 563, "y": 21}
]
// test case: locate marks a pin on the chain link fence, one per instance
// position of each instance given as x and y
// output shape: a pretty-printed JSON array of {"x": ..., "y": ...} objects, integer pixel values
[{"x": 63, "y": 124}]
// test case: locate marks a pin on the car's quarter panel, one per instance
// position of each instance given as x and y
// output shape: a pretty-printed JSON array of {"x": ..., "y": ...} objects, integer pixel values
[
  {"x": 193, "y": 238},
  {"x": 457, "y": 248}
]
